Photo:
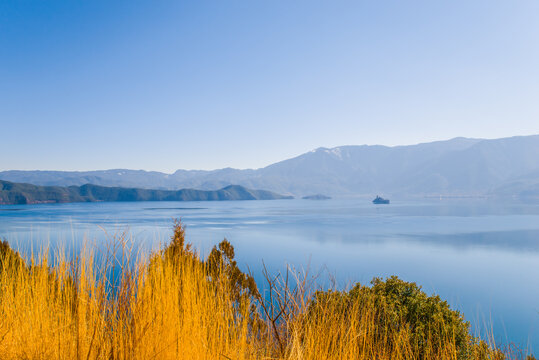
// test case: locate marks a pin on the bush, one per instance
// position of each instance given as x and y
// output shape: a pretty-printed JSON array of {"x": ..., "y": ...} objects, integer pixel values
[{"x": 397, "y": 309}]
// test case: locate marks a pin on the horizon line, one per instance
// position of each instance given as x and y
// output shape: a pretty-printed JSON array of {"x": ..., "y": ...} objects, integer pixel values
[{"x": 262, "y": 167}]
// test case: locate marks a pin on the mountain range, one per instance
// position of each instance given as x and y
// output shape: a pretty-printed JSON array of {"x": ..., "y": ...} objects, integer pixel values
[
  {"x": 455, "y": 167},
  {"x": 19, "y": 193}
]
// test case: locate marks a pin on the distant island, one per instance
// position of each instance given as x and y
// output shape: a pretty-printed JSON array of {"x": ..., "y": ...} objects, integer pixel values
[
  {"x": 316, "y": 197},
  {"x": 17, "y": 194}
]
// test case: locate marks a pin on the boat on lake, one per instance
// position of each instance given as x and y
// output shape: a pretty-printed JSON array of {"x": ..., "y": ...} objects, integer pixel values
[{"x": 380, "y": 200}]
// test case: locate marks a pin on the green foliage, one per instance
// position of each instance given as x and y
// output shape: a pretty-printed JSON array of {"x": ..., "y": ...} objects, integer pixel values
[
  {"x": 403, "y": 306},
  {"x": 221, "y": 259}
]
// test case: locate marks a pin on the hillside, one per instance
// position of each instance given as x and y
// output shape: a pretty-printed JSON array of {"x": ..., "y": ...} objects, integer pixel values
[
  {"x": 459, "y": 166},
  {"x": 15, "y": 193}
]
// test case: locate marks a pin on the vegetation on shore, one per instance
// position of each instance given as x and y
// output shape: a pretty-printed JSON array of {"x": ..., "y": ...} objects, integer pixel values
[{"x": 175, "y": 305}]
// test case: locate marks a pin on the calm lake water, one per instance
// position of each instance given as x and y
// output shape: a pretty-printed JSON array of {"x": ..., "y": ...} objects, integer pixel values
[{"x": 481, "y": 256}]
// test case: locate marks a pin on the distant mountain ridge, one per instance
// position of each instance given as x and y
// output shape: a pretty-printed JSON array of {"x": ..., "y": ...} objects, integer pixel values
[
  {"x": 459, "y": 166},
  {"x": 17, "y": 193}
]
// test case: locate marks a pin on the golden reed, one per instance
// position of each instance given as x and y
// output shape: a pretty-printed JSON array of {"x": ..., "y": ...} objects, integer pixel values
[{"x": 173, "y": 305}]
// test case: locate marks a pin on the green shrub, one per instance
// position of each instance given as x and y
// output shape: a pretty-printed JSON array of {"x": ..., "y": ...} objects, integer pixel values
[{"x": 401, "y": 306}]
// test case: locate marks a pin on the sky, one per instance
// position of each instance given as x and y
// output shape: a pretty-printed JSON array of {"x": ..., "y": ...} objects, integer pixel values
[{"x": 166, "y": 85}]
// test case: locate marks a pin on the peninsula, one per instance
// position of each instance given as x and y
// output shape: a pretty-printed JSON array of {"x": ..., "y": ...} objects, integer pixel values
[{"x": 18, "y": 193}]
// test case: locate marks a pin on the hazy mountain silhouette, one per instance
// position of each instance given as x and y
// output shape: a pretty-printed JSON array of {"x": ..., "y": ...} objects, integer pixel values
[
  {"x": 20, "y": 193},
  {"x": 460, "y": 166}
]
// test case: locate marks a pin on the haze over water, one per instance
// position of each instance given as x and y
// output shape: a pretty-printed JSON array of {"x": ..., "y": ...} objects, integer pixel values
[{"x": 480, "y": 255}]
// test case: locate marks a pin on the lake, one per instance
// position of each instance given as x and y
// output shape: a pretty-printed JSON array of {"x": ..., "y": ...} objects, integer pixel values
[{"x": 482, "y": 256}]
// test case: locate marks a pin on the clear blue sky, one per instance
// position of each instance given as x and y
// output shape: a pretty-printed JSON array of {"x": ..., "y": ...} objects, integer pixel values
[{"x": 162, "y": 85}]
